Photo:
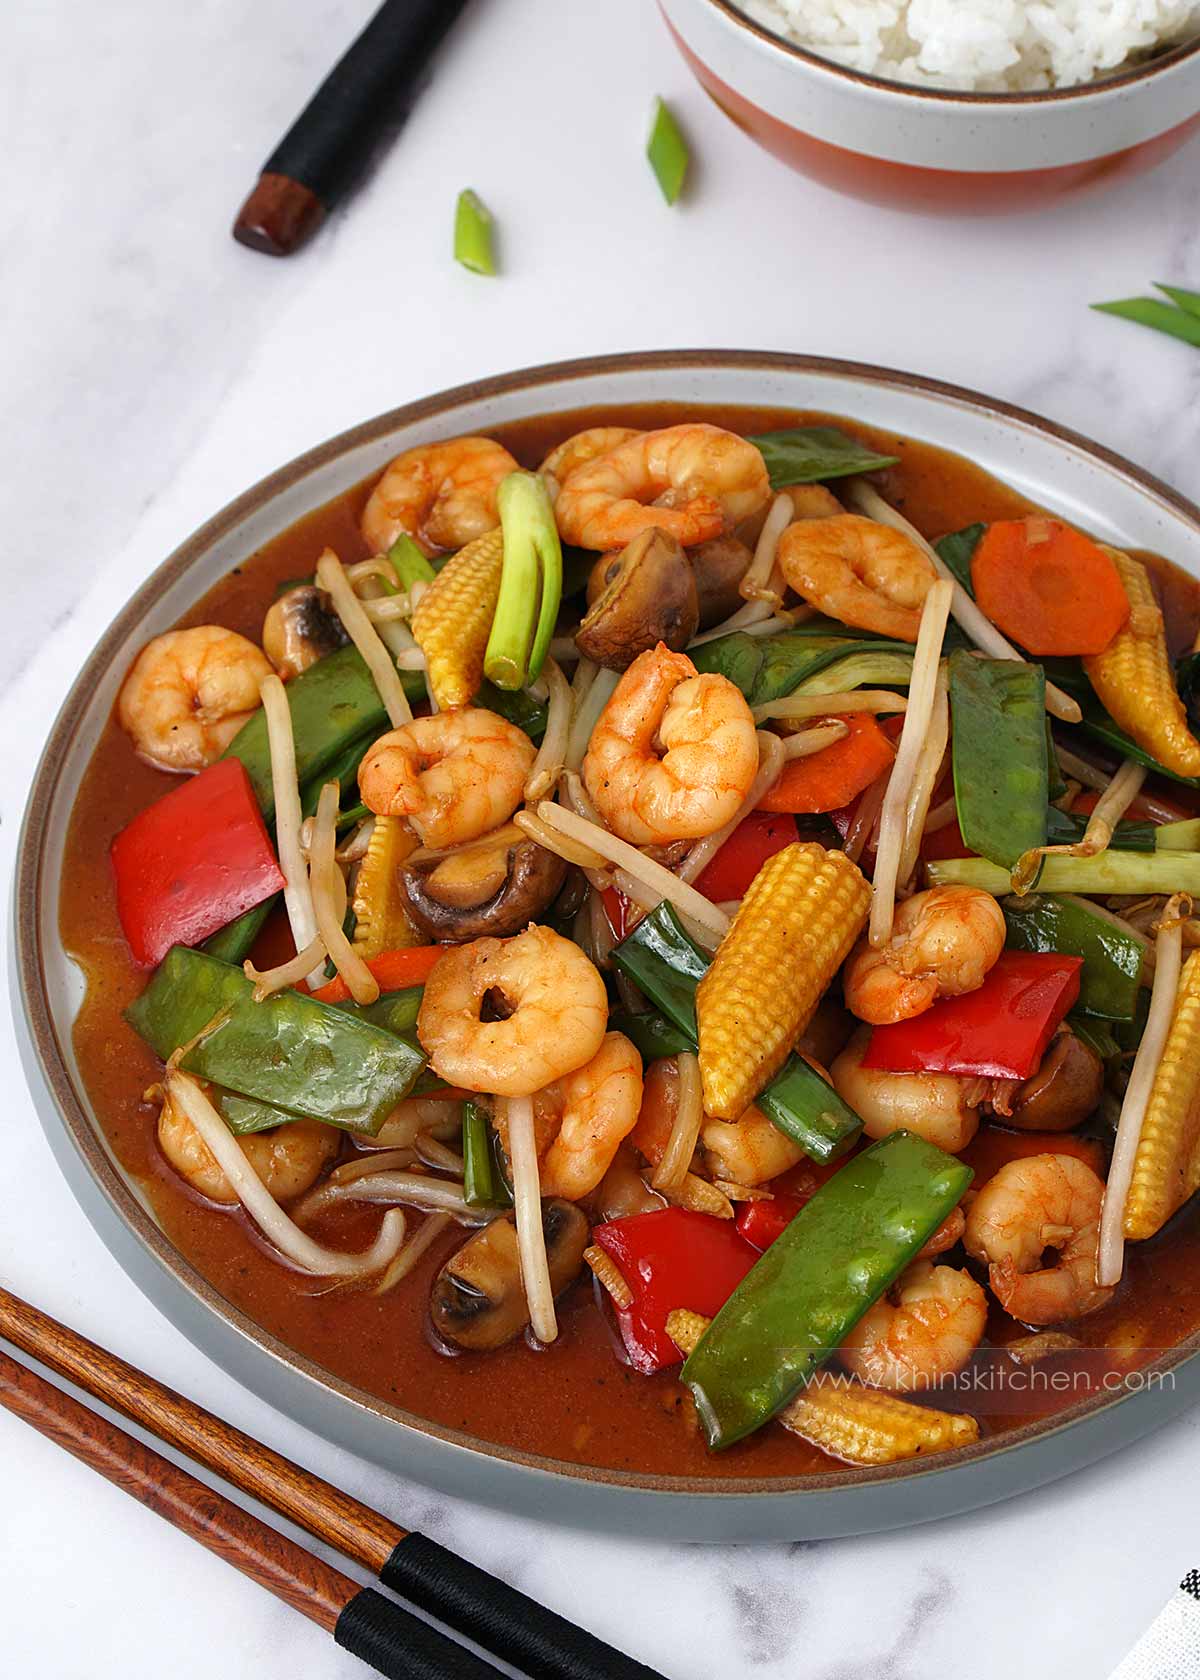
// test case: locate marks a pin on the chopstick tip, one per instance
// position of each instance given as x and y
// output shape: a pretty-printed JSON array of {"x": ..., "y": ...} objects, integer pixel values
[{"x": 279, "y": 216}]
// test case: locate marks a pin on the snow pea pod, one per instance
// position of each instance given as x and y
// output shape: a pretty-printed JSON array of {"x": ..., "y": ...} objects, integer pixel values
[
  {"x": 666, "y": 966},
  {"x": 834, "y": 1260},
  {"x": 1001, "y": 779},
  {"x": 290, "y": 1051},
  {"x": 1112, "y": 960}
]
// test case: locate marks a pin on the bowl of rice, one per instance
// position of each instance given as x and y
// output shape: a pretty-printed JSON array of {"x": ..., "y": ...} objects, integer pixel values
[{"x": 952, "y": 105}]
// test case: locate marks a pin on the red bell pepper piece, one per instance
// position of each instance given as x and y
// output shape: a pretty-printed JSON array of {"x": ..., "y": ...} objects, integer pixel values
[
  {"x": 755, "y": 839},
  {"x": 999, "y": 1031},
  {"x": 945, "y": 842},
  {"x": 669, "y": 1259},
  {"x": 394, "y": 970},
  {"x": 616, "y": 908},
  {"x": 761, "y": 1222},
  {"x": 192, "y": 862}
]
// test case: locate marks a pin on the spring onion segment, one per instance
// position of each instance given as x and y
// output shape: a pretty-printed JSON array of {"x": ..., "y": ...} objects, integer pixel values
[
  {"x": 667, "y": 151},
  {"x": 262, "y": 1207},
  {"x": 921, "y": 692},
  {"x": 331, "y": 576},
  {"x": 1109, "y": 872},
  {"x": 1168, "y": 960},
  {"x": 474, "y": 230},
  {"x": 530, "y": 583},
  {"x": 1177, "y": 322},
  {"x": 527, "y": 1203}
]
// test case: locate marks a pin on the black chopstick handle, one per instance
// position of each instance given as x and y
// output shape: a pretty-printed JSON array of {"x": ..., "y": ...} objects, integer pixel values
[
  {"x": 501, "y": 1619},
  {"x": 400, "y": 1646},
  {"x": 374, "y": 83}
]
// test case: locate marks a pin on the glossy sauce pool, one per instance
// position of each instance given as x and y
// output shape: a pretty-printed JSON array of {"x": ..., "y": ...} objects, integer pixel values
[{"x": 573, "y": 1401}]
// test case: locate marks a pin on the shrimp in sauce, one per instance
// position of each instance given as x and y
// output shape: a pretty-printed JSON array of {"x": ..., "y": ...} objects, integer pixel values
[
  {"x": 188, "y": 693},
  {"x": 452, "y": 777},
  {"x": 597, "y": 1108},
  {"x": 944, "y": 942},
  {"x": 858, "y": 571},
  {"x": 927, "y": 1332},
  {"x": 443, "y": 495},
  {"x": 1034, "y": 1204}
]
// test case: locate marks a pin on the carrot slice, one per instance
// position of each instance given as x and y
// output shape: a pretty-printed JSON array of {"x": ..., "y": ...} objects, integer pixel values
[
  {"x": 1050, "y": 588},
  {"x": 834, "y": 776},
  {"x": 394, "y": 970}
]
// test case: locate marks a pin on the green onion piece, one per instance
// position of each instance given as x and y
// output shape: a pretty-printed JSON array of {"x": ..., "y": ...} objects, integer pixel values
[
  {"x": 1108, "y": 872},
  {"x": 479, "y": 1189},
  {"x": 411, "y": 565},
  {"x": 1153, "y": 313},
  {"x": 1181, "y": 836},
  {"x": 473, "y": 227},
  {"x": 530, "y": 583},
  {"x": 1187, "y": 301},
  {"x": 668, "y": 151}
]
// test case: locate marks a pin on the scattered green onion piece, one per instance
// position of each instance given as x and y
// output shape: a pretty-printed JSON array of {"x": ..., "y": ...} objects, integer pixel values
[
  {"x": 1187, "y": 301},
  {"x": 530, "y": 583},
  {"x": 473, "y": 227},
  {"x": 479, "y": 1188},
  {"x": 1159, "y": 316},
  {"x": 411, "y": 565},
  {"x": 668, "y": 151}
]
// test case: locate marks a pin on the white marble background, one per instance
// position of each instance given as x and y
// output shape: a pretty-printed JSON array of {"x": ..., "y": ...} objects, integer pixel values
[{"x": 150, "y": 369}]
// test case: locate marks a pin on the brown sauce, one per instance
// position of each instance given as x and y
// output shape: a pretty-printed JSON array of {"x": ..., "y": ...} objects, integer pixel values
[{"x": 574, "y": 1401}]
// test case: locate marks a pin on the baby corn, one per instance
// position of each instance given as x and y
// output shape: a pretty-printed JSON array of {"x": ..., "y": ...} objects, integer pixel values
[
  {"x": 797, "y": 923},
  {"x": 1133, "y": 677},
  {"x": 848, "y": 1420},
  {"x": 380, "y": 921},
  {"x": 454, "y": 618},
  {"x": 1166, "y": 1168}
]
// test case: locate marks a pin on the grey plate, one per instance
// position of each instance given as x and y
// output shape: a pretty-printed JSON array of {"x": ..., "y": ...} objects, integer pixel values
[{"x": 1056, "y": 468}]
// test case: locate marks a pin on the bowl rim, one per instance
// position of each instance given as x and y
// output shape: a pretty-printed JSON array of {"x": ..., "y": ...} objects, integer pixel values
[
  {"x": 815, "y": 61},
  {"x": 52, "y": 1064}
]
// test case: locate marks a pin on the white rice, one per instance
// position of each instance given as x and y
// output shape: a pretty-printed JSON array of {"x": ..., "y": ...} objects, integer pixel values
[{"x": 985, "y": 46}]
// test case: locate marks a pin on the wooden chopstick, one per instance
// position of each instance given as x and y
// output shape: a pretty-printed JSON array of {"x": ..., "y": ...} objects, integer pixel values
[
  {"x": 476, "y": 1605},
  {"x": 360, "y": 1619}
]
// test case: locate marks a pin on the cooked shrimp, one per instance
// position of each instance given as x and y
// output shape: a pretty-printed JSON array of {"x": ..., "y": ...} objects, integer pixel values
[
  {"x": 749, "y": 1150},
  {"x": 551, "y": 1002},
  {"x": 943, "y": 943},
  {"x": 1033, "y": 1204},
  {"x": 695, "y": 481},
  {"x": 858, "y": 571},
  {"x": 575, "y": 452},
  {"x": 709, "y": 760},
  {"x": 947, "y": 1234},
  {"x": 928, "y": 1331},
  {"x": 188, "y": 693},
  {"x": 452, "y": 776},
  {"x": 934, "y": 1105},
  {"x": 598, "y": 1107},
  {"x": 656, "y": 1118},
  {"x": 443, "y": 495},
  {"x": 289, "y": 1159}
]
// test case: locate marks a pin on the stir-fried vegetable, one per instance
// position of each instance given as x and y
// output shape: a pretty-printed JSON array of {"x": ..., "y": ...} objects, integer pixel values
[
  {"x": 838, "y": 1256},
  {"x": 1166, "y": 1165},
  {"x": 193, "y": 862},
  {"x": 393, "y": 970},
  {"x": 837, "y": 774},
  {"x": 291, "y": 1051},
  {"x": 998, "y": 709},
  {"x": 810, "y": 454},
  {"x": 767, "y": 667},
  {"x": 756, "y": 838},
  {"x": 453, "y": 619},
  {"x": 1048, "y": 587},
  {"x": 474, "y": 243},
  {"x": 667, "y": 151},
  {"x": 1067, "y": 828},
  {"x": 998, "y": 1031},
  {"x": 1109, "y": 872},
  {"x": 667, "y": 966},
  {"x": 530, "y": 583},
  {"x": 1112, "y": 955},
  {"x": 483, "y": 1182},
  {"x": 381, "y": 923},
  {"x": 794, "y": 929}
]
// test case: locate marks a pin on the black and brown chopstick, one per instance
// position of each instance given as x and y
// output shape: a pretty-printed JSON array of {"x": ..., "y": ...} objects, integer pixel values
[{"x": 463, "y": 1597}]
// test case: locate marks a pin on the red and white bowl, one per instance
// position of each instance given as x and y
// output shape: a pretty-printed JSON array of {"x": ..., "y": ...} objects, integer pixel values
[{"x": 925, "y": 149}]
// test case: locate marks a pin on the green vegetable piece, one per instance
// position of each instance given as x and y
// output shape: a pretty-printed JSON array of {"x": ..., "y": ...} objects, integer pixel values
[
  {"x": 410, "y": 563},
  {"x": 651, "y": 1035},
  {"x": 1187, "y": 301},
  {"x": 667, "y": 966},
  {"x": 998, "y": 708},
  {"x": 668, "y": 151},
  {"x": 860, "y": 670},
  {"x": 234, "y": 942},
  {"x": 1068, "y": 674},
  {"x": 1112, "y": 960},
  {"x": 1064, "y": 828},
  {"x": 1160, "y": 317},
  {"x": 333, "y": 704},
  {"x": 834, "y": 1260},
  {"x": 1183, "y": 836},
  {"x": 474, "y": 229},
  {"x": 1108, "y": 872},
  {"x": 1096, "y": 1034},
  {"x": 517, "y": 705},
  {"x": 1055, "y": 783},
  {"x": 483, "y": 1182},
  {"x": 809, "y": 454},
  {"x": 768, "y": 667},
  {"x": 530, "y": 583},
  {"x": 308, "y": 1058},
  {"x": 957, "y": 549}
]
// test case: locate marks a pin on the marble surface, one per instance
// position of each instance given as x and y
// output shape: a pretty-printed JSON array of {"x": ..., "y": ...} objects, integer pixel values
[{"x": 150, "y": 369}]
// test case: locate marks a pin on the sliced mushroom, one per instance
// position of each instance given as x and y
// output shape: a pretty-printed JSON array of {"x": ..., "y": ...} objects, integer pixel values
[
  {"x": 719, "y": 567},
  {"x": 496, "y": 886},
  {"x": 1062, "y": 1093},
  {"x": 478, "y": 1301},
  {"x": 300, "y": 628},
  {"x": 647, "y": 595}
]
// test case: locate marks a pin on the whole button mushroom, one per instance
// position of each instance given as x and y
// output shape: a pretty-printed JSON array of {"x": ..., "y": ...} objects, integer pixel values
[{"x": 646, "y": 595}]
